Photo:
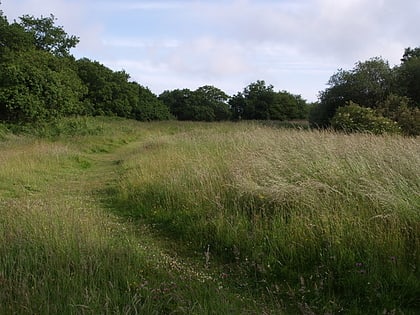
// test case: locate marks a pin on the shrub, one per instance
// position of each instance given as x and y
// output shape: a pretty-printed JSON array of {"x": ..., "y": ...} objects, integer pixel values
[
  {"x": 37, "y": 87},
  {"x": 354, "y": 118},
  {"x": 402, "y": 110},
  {"x": 409, "y": 121}
]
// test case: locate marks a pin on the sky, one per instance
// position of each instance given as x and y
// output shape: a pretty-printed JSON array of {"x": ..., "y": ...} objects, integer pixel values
[{"x": 294, "y": 45}]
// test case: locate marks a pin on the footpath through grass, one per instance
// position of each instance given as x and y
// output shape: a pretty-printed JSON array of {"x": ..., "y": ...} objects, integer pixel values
[
  {"x": 63, "y": 252},
  {"x": 104, "y": 216}
]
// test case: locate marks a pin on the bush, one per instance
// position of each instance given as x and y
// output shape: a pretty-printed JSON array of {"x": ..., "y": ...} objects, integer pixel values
[
  {"x": 409, "y": 121},
  {"x": 402, "y": 110},
  {"x": 36, "y": 86},
  {"x": 354, "y": 118}
]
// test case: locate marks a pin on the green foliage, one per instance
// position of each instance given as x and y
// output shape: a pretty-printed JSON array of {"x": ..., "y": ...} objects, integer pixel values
[
  {"x": 207, "y": 103},
  {"x": 259, "y": 101},
  {"x": 109, "y": 92},
  {"x": 212, "y": 102},
  {"x": 177, "y": 102},
  {"x": 40, "y": 81},
  {"x": 393, "y": 93},
  {"x": 320, "y": 114},
  {"x": 37, "y": 86},
  {"x": 35, "y": 94},
  {"x": 289, "y": 107},
  {"x": 47, "y": 36},
  {"x": 399, "y": 109},
  {"x": 354, "y": 118},
  {"x": 13, "y": 38},
  {"x": 368, "y": 83},
  {"x": 149, "y": 107},
  {"x": 409, "y": 121},
  {"x": 408, "y": 74}
]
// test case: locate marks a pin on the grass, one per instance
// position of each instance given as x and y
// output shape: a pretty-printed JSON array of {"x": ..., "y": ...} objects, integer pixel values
[
  {"x": 117, "y": 217},
  {"x": 330, "y": 220},
  {"x": 63, "y": 252}
]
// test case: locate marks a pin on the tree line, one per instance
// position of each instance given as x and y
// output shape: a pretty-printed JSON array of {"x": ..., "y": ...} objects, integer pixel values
[{"x": 40, "y": 80}]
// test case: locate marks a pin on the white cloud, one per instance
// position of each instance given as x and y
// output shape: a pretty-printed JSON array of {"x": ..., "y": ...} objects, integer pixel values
[
  {"x": 141, "y": 5},
  {"x": 210, "y": 57},
  {"x": 127, "y": 42},
  {"x": 339, "y": 30}
]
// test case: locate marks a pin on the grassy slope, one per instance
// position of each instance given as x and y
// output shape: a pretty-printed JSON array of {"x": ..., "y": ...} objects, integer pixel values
[{"x": 319, "y": 222}]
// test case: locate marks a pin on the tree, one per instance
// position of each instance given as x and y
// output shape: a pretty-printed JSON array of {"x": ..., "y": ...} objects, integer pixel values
[
  {"x": 368, "y": 83},
  {"x": 260, "y": 101},
  {"x": 207, "y": 103},
  {"x": 13, "y": 38},
  {"x": 410, "y": 53},
  {"x": 409, "y": 75},
  {"x": 214, "y": 101},
  {"x": 288, "y": 107},
  {"x": 149, "y": 107},
  {"x": 109, "y": 92},
  {"x": 47, "y": 36},
  {"x": 178, "y": 102},
  {"x": 237, "y": 105},
  {"x": 36, "y": 86}
]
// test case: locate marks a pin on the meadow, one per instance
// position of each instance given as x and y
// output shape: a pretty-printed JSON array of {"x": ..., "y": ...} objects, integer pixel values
[{"x": 111, "y": 216}]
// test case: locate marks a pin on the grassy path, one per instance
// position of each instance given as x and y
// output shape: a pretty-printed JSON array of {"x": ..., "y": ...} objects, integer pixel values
[
  {"x": 64, "y": 252},
  {"x": 304, "y": 222}
]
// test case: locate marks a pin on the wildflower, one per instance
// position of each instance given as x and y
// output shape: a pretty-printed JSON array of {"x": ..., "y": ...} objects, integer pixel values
[{"x": 359, "y": 264}]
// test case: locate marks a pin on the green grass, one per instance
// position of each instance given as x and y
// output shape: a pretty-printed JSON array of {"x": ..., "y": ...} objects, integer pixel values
[
  {"x": 63, "y": 252},
  {"x": 330, "y": 220},
  {"x": 109, "y": 216}
]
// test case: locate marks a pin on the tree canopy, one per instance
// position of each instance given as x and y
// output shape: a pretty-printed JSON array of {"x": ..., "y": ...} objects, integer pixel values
[
  {"x": 391, "y": 92},
  {"x": 40, "y": 80},
  {"x": 259, "y": 101},
  {"x": 47, "y": 36},
  {"x": 207, "y": 103}
]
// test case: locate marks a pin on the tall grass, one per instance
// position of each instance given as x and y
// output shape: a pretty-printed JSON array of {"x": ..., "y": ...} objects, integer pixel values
[
  {"x": 331, "y": 221},
  {"x": 62, "y": 252}
]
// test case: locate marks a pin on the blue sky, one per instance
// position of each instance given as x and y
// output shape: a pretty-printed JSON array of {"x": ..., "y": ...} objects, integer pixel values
[{"x": 293, "y": 45}]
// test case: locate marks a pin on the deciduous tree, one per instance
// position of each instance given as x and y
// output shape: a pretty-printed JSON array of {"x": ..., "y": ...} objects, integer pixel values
[{"x": 47, "y": 36}]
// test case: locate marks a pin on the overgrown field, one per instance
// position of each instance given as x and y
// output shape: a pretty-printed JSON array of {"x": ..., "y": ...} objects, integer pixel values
[{"x": 114, "y": 216}]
